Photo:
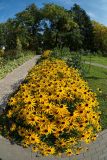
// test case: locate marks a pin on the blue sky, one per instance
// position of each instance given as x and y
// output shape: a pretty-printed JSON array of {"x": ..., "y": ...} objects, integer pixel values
[{"x": 97, "y": 9}]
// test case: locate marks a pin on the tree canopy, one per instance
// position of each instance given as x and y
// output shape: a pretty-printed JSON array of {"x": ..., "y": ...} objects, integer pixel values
[{"x": 53, "y": 26}]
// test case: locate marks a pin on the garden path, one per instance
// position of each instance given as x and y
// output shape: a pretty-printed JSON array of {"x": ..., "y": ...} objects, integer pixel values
[
  {"x": 96, "y": 150},
  {"x": 11, "y": 82},
  {"x": 96, "y": 64}
]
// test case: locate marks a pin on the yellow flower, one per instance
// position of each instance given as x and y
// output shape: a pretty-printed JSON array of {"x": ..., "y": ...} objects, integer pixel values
[
  {"x": 34, "y": 149},
  {"x": 53, "y": 107},
  {"x": 47, "y": 128},
  {"x": 99, "y": 90},
  {"x": 61, "y": 143},
  {"x": 9, "y": 114},
  {"x": 32, "y": 119},
  {"x": 13, "y": 127},
  {"x": 62, "y": 110},
  {"x": 69, "y": 152},
  {"x": 25, "y": 143},
  {"x": 21, "y": 131},
  {"x": 46, "y": 53},
  {"x": 50, "y": 150},
  {"x": 34, "y": 139},
  {"x": 47, "y": 108},
  {"x": 12, "y": 101},
  {"x": 71, "y": 140},
  {"x": 29, "y": 101}
]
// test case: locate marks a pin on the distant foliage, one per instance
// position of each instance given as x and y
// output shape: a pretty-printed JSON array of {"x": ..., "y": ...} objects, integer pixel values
[
  {"x": 1, "y": 52},
  {"x": 18, "y": 47},
  {"x": 72, "y": 59},
  {"x": 53, "y": 26},
  {"x": 85, "y": 25},
  {"x": 100, "y": 38}
]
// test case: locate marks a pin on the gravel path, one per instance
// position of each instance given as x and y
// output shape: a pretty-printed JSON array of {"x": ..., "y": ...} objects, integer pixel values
[
  {"x": 96, "y": 64},
  {"x": 13, "y": 80},
  {"x": 97, "y": 150}
]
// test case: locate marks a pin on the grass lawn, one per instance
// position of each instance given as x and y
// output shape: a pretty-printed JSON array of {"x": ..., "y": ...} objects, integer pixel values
[
  {"x": 96, "y": 59},
  {"x": 97, "y": 78},
  {"x": 13, "y": 63}
]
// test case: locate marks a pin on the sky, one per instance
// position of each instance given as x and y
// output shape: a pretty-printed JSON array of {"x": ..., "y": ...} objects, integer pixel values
[{"x": 96, "y": 9}]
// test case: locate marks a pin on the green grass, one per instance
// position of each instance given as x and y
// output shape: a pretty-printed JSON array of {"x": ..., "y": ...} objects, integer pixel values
[
  {"x": 97, "y": 78},
  {"x": 14, "y": 63},
  {"x": 97, "y": 59}
]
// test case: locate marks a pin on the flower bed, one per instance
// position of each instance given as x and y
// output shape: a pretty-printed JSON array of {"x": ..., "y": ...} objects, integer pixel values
[{"x": 54, "y": 110}]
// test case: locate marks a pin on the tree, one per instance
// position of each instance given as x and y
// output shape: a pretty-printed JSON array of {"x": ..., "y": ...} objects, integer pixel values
[
  {"x": 18, "y": 47},
  {"x": 61, "y": 26},
  {"x": 2, "y": 34},
  {"x": 29, "y": 23},
  {"x": 100, "y": 37},
  {"x": 11, "y": 34},
  {"x": 85, "y": 25},
  {"x": 53, "y": 26}
]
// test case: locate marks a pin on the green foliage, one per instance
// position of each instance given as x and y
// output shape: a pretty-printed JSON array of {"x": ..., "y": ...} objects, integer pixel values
[
  {"x": 2, "y": 62},
  {"x": 10, "y": 54},
  {"x": 85, "y": 25},
  {"x": 53, "y": 26},
  {"x": 1, "y": 52},
  {"x": 62, "y": 31},
  {"x": 2, "y": 34},
  {"x": 73, "y": 59},
  {"x": 95, "y": 59},
  {"x": 9, "y": 63},
  {"x": 100, "y": 38},
  {"x": 18, "y": 48},
  {"x": 61, "y": 53},
  {"x": 97, "y": 79},
  {"x": 28, "y": 27},
  {"x": 11, "y": 34}
]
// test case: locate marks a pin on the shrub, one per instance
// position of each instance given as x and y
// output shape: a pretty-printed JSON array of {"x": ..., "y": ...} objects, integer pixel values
[
  {"x": 75, "y": 61},
  {"x": 18, "y": 48},
  {"x": 61, "y": 52},
  {"x": 10, "y": 54},
  {"x": 72, "y": 59},
  {"x": 1, "y": 52},
  {"x": 53, "y": 111},
  {"x": 2, "y": 62},
  {"x": 85, "y": 52},
  {"x": 46, "y": 54}
]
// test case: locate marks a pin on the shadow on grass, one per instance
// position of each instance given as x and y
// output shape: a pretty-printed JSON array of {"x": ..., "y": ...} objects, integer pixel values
[
  {"x": 94, "y": 77},
  {"x": 105, "y": 73}
]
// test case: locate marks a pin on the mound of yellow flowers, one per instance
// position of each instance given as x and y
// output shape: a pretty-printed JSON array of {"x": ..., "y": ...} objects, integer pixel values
[
  {"x": 46, "y": 53},
  {"x": 54, "y": 110}
]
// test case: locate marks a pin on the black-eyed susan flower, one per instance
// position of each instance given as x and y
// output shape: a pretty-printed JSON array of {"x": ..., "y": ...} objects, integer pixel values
[
  {"x": 69, "y": 152},
  {"x": 13, "y": 127},
  {"x": 54, "y": 110},
  {"x": 99, "y": 90}
]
